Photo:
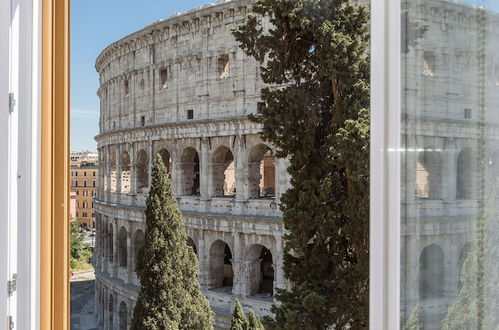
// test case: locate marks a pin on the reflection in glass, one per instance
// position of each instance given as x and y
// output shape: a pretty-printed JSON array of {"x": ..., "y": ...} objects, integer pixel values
[{"x": 450, "y": 169}]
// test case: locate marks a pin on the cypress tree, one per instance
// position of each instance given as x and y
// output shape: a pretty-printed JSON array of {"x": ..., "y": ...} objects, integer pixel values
[
  {"x": 170, "y": 296},
  {"x": 239, "y": 320},
  {"x": 254, "y": 321},
  {"x": 314, "y": 57}
]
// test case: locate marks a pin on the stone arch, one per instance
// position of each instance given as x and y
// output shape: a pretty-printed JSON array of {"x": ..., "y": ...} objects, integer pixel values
[
  {"x": 125, "y": 172},
  {"x": 260, "y": 268},
  {"x": 261, "y": 172},
  {"x": 191, "y": 243},
  {"x": 166, "y": 158},
  {"x": 465, "y": 250},
  {"x": 110, "y": 243},
  {"x": 122, "y": 247},
  {"x": 189, "y": 172},
  {"x": 223, "y": 172},
  {"x": 111, "y": 311},
  {"x": 142, "y": 169},
  {"x": 113, "y": 172},
  {"x": 138, "y": 242},
  {"x": 465, "y": 173},
  {"x": 220, "y": 263},
  {"x": 123, "y": 317},
  {"x": 429, "y": 174},
  {"x": 431, "y": 272}
]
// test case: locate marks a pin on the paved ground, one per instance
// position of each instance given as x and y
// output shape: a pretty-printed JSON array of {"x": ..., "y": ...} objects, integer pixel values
[{"x": 83, "y": 302}]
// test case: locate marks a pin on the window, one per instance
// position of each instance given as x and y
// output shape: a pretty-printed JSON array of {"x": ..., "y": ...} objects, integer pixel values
[
  {"x": 190, "y": 114},
  {"x": 127, "y": 88},
  {"x": 76, "y": 183},
  {"x": 76, "y": 213},
  {"x": 84, "y": 183},
  {"x": 84, "y": 173},
  {"x": 142, "y": 120},
  {"x": 76, "y": 173},
  {"x": 93, "y": 183},
  {"x": 467, "y": 113},
  {"x": 259, "y": 107},
  {"x": 163, "y": 78},
  {"x": 223, "y": 66},
  {"x": 77, "y": 193},
  {"x": 93, "y": 174}
]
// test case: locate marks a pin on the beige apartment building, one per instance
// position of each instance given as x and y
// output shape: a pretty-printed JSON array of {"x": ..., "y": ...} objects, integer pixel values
[{"x": 84, "y": 176}]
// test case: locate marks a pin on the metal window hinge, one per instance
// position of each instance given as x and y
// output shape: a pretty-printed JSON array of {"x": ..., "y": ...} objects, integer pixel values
[
  {"x": 12, "y": 285},
  {"x": 12, "y": 102},
  {"x": 10, "y": 322}
]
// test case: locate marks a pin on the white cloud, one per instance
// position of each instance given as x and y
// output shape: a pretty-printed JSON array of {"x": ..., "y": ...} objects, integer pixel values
[{"x": 84, "y": 114}]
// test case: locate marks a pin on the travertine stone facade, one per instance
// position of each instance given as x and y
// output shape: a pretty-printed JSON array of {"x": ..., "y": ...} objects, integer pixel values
[{"x": 182, "y": 88}]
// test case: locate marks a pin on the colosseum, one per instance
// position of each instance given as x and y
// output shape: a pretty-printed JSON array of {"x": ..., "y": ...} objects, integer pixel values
[{"x": 182, "y": 88}]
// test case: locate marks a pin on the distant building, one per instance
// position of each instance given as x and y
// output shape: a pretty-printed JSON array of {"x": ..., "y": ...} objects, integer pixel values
[{"x": 84, "y": 176}]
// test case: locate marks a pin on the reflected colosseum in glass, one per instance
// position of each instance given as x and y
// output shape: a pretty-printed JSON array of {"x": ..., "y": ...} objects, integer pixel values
[{"x": 450, "y": 127}]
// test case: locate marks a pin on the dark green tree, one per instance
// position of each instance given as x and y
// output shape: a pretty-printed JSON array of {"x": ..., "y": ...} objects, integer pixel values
[
  {"x": 239, "y": 320},
  {"x": 254, "y": 321},
  {"x": 170, "y": 296},
  {"x": 314, "y": 57}
]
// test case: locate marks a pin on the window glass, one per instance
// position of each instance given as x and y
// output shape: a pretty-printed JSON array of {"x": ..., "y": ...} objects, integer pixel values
[{"x": 450, "y": 165}]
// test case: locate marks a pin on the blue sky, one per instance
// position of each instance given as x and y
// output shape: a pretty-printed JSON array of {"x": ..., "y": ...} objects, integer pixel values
[{"x": 96, "y": 24}]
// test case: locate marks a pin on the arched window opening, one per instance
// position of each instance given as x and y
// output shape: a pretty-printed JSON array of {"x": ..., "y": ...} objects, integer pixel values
[
  {"x": 122, "y": 250},
  {"x": 142, "y": 170},
  {"x": 123, "y": 317},
  {"x": 261, "y": 172},
  {"x": 465, "y": 175},
  {"x": 189, "y": 167},
  {"x": 191, "y": 243},
  {"x": 431, "y": 272},
  {"x": 125, "y": 172},
  {"x": 429, "y": 175},
  {"x": 261, "y": 271},
  {"x": 111, "y": 311},
  {"x": 112, "y": 174},
  {"x": 138, "y": 242},
  {"x": 224, "y": 180},
  {"x": 110, "y": 243},
  {"x": 221, "y": 273},
  {"x": 462, "y": 258},
  {"x": 165, "y": 157}
]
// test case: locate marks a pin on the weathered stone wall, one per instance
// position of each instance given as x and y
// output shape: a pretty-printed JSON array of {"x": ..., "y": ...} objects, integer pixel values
[{"x": 181, "y": 88}]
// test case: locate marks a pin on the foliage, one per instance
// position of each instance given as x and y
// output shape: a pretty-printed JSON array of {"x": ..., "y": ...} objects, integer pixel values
[
  {"x": 476, "y": 306},
  {"x": 239, "y": 320},
  {"x": 170, "y": 296},
  {"x": 76, "y": 240},
  {"x": 254, "y": 321},
  {"x": 414, "y": 321},
  {"x": 313, "y": 56}
]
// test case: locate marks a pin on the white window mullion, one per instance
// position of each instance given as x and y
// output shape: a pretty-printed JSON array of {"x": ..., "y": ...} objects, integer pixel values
[{"x": 385, "y": 165}]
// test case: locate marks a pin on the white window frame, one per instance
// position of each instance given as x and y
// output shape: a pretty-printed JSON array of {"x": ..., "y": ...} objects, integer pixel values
[
  {"x": 385, "y": 168},
  {"x": 19, "y": 167}
]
